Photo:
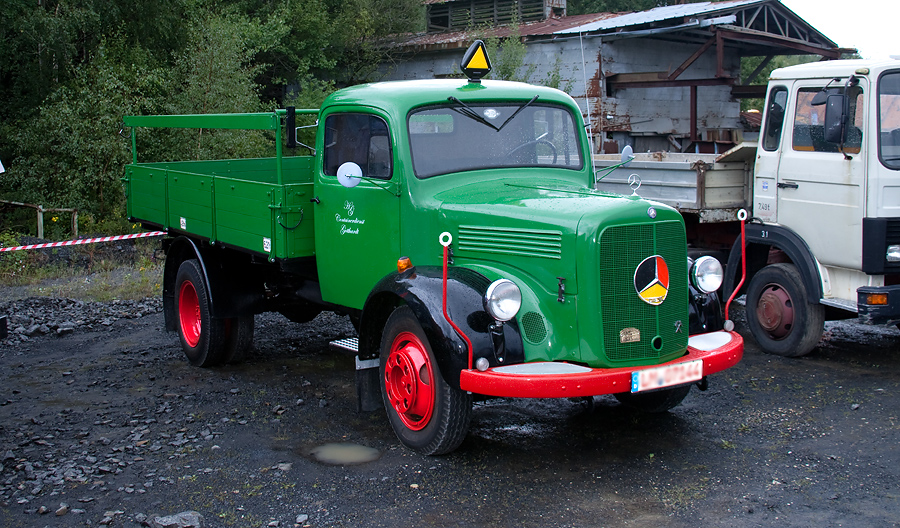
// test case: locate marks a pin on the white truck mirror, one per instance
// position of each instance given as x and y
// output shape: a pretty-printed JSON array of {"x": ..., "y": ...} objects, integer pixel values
[{"x": 349, "y": 174}]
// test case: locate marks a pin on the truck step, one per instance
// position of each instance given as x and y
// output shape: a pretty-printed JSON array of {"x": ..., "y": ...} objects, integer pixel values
[{"x": 348, "y": 343}]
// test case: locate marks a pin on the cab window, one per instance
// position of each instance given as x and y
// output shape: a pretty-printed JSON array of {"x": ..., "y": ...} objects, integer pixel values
[
  {"x": 360, "y": 138},
  {"x": 889, "y": 120},
  {"x": 775, "y": 118},
  {"x": 809, "y": 123}
]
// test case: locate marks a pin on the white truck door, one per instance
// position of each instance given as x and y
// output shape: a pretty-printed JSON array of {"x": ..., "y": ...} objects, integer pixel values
[
  {"x": 768, "y": 155},
  {"x": 821, "y": 191}
]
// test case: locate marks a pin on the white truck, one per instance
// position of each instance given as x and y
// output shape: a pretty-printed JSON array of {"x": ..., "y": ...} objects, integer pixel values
[{"x": 823, "y": 185}]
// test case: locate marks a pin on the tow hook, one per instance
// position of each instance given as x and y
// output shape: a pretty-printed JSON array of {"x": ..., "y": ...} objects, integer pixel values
[{"x": 703, "y": 384}]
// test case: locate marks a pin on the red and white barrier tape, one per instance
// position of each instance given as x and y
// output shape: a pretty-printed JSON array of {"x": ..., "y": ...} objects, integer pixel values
[{"x": 84, "y": 241}]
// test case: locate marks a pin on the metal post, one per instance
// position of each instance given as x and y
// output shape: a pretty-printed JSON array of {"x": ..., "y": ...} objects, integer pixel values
[{"x": 40, "y": 222}]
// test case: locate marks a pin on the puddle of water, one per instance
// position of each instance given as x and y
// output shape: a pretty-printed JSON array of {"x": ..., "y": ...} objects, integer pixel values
[{"x": 344, "y": 454}]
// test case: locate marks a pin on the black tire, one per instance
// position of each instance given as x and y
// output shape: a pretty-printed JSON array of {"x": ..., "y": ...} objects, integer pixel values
[
  {"x": 238, "y": 338},
  {"x": 654, "y": 402},
  {"x": 426, "y": 414},
  {"x": 778, "y": 314},
  {"x": 202, "y": 337}
]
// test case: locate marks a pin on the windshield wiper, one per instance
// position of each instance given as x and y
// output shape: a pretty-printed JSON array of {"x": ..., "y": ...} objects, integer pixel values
[{"x": 469, "y": 112}]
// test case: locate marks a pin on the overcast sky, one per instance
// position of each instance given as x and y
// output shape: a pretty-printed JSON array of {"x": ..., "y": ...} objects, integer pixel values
[{"x": 871, "y": 26}]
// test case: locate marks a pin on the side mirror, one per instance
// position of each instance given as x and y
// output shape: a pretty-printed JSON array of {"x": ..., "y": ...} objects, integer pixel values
[
  {"x": 627, "y": 155},
  {"x": 834, "y": 118},
  {"x": 349, "y": 174}
]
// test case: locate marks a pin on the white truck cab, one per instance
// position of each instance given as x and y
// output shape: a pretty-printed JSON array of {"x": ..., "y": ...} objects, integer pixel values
[{"x": 826, "y": 193}]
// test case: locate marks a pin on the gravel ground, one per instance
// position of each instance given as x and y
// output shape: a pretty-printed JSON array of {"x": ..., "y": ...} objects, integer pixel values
[{"x": 102, "y": 422}]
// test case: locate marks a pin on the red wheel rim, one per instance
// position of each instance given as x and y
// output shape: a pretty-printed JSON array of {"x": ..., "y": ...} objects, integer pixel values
[
  {"x": 189, "y": 313},
  {"x": 775, "y": 311},
  {"x": 409, "y": 381}
]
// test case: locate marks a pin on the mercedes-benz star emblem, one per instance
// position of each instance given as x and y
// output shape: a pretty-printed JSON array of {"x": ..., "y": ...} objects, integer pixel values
[{"x": 651, "y": 280}]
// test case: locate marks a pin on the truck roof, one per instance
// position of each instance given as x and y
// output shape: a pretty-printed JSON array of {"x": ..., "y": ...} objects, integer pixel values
[
  {"x": 401, "y": 96},
  {"x": 834, "y": 68}
]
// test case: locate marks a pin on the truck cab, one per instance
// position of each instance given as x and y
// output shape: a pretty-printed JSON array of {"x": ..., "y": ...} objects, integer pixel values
[{"x": 826, "y": 192}]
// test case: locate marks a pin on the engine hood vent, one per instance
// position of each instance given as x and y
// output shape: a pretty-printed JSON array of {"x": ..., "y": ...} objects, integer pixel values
[{"x": 536, "y": 243}]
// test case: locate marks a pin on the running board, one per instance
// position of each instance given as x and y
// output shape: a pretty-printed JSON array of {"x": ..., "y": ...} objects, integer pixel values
[{"x": 348, "y": 343}]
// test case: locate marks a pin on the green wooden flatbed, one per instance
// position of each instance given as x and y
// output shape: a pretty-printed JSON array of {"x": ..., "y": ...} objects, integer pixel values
[{"x": 261, "y": 205}]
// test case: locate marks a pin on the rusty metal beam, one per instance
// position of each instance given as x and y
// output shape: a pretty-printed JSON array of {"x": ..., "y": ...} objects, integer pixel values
[
  {"x": 678, "y": 71},
  {"x": 749, "y": 91},
  {"x": 694, "y": 135},
  {"x": 720, "y": 55},
  {"x": 724, "y": 81},
  {"x": 758, "y": 69},
  {"x": 744, "y": 35}
]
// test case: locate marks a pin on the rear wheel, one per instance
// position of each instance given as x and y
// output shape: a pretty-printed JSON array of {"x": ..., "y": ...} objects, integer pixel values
[
  {"x": 426, "y": 414},
  {"x": 202, "y": 337},
  {"x": 778, "y": 314},
  {"x": 654, "y": 402},
  {"x": 238, "y": 338}
]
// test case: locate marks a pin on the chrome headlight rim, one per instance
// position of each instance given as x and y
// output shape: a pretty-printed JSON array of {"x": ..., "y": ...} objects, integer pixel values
[
  {"x": 503, "y": 300},
  {"x": 707, "y": 274}
]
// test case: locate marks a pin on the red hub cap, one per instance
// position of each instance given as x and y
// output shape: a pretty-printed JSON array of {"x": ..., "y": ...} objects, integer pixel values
[
  {"x": 775, "y": 311},
  {"x": 189, "y": 313},
  {"x": 409, "y": 381}
]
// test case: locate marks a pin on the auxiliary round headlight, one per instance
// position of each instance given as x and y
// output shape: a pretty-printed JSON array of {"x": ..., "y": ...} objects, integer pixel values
[
  {"x": 707, "y": 274},
  {"x": 503, "y": 299}
]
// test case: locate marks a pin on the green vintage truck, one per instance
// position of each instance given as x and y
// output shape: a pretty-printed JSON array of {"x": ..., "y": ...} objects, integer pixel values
[{"x": 457, "y": 225}]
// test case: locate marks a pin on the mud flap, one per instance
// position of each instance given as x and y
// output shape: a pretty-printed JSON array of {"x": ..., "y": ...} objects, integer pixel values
[{"x": 368, "y": 387}]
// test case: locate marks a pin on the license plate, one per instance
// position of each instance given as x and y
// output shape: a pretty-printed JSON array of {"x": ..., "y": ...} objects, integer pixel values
[{"x": 659, "y": 377}]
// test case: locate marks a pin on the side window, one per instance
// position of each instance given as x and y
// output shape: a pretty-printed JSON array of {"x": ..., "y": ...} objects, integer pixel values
[
  {"x": 809, "y": 123},
  {"x": 889, "y": 120},
  {"x": 775, "y": 118},
  {"x": 360, "y": 138}
]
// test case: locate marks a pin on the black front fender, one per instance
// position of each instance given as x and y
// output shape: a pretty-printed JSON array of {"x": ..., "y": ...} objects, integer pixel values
[
  {"x": 704, "y": 312},
  {"x": 421, "y": 288}
]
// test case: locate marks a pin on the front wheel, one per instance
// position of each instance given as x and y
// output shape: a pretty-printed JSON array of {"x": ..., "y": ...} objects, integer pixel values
[
  {"x": 654, "y": 402},
  {"x": 202, "y": 337},
  {"x": 779, "y": 317},
  {"x": 426, "y": 414}
]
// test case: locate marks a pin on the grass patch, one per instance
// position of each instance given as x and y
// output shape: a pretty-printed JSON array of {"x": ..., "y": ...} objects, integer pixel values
[{"x": 87, "y": 273}]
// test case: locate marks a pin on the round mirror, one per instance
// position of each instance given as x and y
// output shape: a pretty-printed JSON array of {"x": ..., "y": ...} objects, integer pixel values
[
  {"x": 349, "y": 174},
  {"x": 627, "y": 155}
]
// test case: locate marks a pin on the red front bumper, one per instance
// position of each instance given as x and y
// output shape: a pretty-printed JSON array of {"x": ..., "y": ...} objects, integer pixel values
[{"x": 718, "y": 350}]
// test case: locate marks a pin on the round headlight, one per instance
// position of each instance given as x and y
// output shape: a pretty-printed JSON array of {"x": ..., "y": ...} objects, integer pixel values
[
  {"x": 503, "y": 299},
  {"x": 707, "y": 274}
]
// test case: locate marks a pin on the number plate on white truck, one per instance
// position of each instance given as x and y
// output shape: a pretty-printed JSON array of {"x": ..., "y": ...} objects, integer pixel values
[{"x": 666, "y": 376}]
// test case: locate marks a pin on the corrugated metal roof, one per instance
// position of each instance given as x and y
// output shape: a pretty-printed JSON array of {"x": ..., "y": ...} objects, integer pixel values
[
  {"x": 658, "y": 14},
  {"x": 544, "y": 27}
]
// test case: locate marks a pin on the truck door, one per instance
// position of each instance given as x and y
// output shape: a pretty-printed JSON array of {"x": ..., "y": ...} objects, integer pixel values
[
  {"x": 768, "y": 156},
  {"x": 822, "y": 192},
  {"x": 357, "y": 227}
]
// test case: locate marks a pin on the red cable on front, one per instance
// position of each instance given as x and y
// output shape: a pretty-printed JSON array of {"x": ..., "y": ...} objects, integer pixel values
[
  {"x": 445, "y": 240},
  {"x": 742, "y": 216}
]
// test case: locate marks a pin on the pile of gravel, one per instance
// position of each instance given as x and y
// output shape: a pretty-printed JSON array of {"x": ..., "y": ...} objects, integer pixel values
[{"x": 41, "y": 316}]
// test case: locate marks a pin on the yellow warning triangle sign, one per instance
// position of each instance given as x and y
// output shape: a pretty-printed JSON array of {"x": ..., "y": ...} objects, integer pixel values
[
  {"x": 475, "y": 63},
  {"x": 479, "y": 60}
]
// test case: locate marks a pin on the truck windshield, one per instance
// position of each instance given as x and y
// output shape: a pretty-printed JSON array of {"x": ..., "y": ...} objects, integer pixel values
[
  {"x": 468, "y": 136},
  {"x": 889, "y": 120}
]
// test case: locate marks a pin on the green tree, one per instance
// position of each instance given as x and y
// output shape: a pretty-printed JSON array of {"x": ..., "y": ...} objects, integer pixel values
[
  {"x": 751, "y": 64},
  {"x": 71, "y": 154},
  {"x": 582, "y": 7}
]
